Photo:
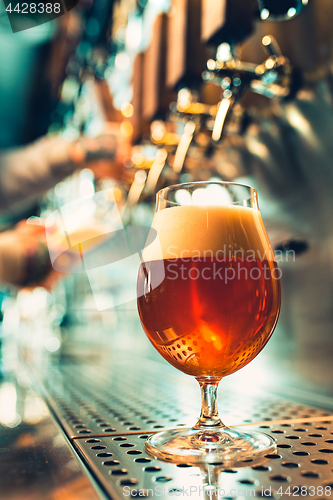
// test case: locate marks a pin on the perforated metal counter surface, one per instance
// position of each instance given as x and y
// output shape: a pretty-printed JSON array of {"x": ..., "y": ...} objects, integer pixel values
[{"x": 107, "y": 413}]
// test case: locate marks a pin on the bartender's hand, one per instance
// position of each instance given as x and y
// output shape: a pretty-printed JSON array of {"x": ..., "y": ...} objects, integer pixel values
[
  {"x": 38, "y": 270},
  {"x": 24, "y": 257},
  {"x": 104, "y": 154}
]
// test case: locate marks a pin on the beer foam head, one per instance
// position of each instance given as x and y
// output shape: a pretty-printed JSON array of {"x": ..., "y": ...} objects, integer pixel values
[{"x": 209, "y": 231}]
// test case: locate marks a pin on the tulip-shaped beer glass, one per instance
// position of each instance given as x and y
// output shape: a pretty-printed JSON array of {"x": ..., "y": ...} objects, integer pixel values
[{"x": 213, "y": 307}]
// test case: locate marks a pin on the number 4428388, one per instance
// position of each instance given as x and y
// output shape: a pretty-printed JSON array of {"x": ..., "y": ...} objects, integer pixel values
[
  {"x": 303, "y": 491},
  {"x": 34, "y": 8}
]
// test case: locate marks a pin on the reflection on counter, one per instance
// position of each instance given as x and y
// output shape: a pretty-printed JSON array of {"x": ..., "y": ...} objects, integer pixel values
[{"x": 36, "y": 462}]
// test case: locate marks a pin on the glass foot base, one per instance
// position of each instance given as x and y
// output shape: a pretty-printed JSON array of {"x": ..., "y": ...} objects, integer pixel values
[{"x": 226, "y": 447}]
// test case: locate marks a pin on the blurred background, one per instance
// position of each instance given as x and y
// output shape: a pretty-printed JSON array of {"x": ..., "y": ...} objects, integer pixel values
[
  {"x": 99, "y": 109},
  {"x": 120, "y": 98}
]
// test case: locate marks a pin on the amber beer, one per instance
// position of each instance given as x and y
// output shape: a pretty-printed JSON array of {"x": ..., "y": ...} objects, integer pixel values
[{"x": 218, "y": 303}]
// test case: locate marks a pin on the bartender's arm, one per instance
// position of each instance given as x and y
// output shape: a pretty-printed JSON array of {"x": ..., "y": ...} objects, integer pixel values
[{"x": 29, "y": 171}]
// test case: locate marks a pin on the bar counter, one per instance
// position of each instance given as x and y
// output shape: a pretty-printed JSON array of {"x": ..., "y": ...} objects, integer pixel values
[{"x": 74, "y": 426}]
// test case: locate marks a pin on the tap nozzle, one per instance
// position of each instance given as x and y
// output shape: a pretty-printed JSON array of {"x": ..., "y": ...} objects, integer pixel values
[{"x": 273, "y": 78}]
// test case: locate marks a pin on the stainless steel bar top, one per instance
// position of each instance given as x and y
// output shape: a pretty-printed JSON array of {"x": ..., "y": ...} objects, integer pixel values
[
  {"x": 36, "y": 461},
  {"x": 82, "y": 436},
  {"x": 108, "y": 411}
]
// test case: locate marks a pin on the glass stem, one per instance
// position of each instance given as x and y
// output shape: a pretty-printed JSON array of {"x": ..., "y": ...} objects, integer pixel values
[{"x": 209, "y": 418}]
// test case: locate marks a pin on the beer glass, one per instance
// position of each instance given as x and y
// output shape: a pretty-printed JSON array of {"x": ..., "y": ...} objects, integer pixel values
[{"x": 213, "y": 307}]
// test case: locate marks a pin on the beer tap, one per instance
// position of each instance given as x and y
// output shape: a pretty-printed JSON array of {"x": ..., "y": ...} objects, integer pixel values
[
  {"x": 275, "y": 77},
  {"x": 195, "y": 120},
  {"x": 195, "y": 116},
  {"x": 226, "y": 24}
]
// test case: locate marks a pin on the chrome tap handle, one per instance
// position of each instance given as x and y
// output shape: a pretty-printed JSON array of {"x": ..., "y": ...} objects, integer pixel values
[
  {"x": 272, "y": 78},
  {"x": 275, "y": 77},
  {"x": 271, "y": 46}
]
